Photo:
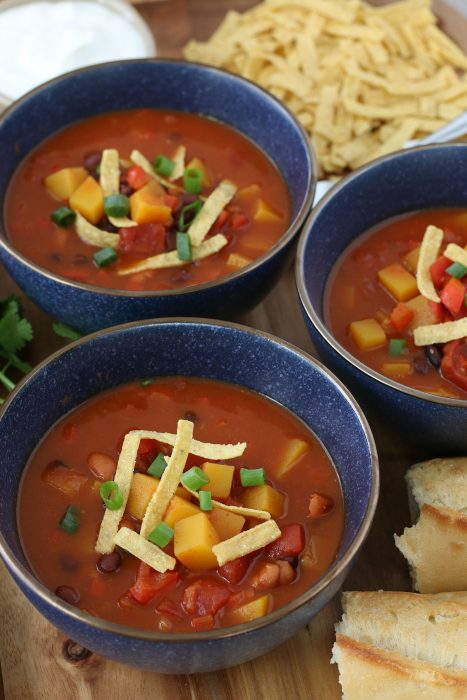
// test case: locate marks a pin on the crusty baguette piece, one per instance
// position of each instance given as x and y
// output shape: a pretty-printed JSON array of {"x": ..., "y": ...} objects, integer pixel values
[
  {"x": 369, "y": 673},
  {"x": 436, "y": 547}
]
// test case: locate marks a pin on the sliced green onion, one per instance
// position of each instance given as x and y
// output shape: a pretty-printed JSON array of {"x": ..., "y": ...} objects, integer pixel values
[
  {"x": 205, "y": 500},
  {"x": 184, "y": 247},
  {"x": 63, "y": 216},
  {"x": 194, "y": 478},
  {"x": 396, "y": 345},
  {"x": 116, "y": 205},
  {"x": 64, "y": 331},
  {"x": 195, "y": 206},
  {"x": 146, "y": 382},
  {"x": 98, "y": 169},
  {"x": 457, "y": 270},
  {"x": 252, "y": 477},
  {"x": 161, "y": 535},
  {"x": 192, "y": 180},
  {"x": 163, "y": 166},
  {"x": 111, "y": 495},
  {"x": 71, "y": 520},
  {"x": 158, "y": 467},
  {"x": 104, "y": 257}
]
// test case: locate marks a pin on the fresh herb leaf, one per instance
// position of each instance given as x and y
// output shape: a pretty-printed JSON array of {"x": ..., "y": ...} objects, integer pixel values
[
  {"x": 65, "y": 331},
  {"x": 15, "y": 332}
]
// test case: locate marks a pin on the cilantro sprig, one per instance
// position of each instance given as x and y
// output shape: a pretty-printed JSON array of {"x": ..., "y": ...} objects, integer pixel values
[{"x": 15, "y": 333}]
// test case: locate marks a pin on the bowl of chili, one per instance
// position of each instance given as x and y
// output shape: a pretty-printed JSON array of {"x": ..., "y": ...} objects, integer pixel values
[
  {"x": 383, "y": 301},
  {"x": 154, "y": 188},
  {"x": 227, "y": 383}
]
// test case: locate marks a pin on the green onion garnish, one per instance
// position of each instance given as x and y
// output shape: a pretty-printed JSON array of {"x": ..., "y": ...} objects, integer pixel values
[
  {"x": 111, "y": 495},
  {"x": 163, "y": 166},
  {"x": 205, "y": 500},
  {"x": 158, "y": 467},
  {"x": 457, "y": 270},
  {"x": 252, "y": 477},
  {"x": 184, "y": 247},
  {"x": 71, "y": 520},
  {"x": 194, "y": 478},
  {"x": 192, "y": 180},
  {"x": 98, "y": 169},
  {"x": 396, "y": 345},
  {"x": 63, "y": 216},
  {"x": 104, "y": 257},
  {"x": 146, "y": 382},
  {"x": 161, "y": 535},
  {"x": 116, "y": 205},
  {"x": 196, "y": 207}
]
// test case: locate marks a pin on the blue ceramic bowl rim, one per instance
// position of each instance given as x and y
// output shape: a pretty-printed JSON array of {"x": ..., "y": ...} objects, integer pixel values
[
  {"x": 305, "y": 298},
  {"x": 45, "y": 595},
  {"x": 287, "y": 236}
]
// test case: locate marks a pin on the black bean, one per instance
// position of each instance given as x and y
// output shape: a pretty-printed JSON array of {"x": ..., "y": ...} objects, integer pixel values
[
  {"x": 91, "y": 160},
  {"x": 56, "y": 257},
  {"x": 171, "y": 239},
  {"x": 79, "y": 259},
  {"x": 68, "y": 563},
  {"x": 420, "y": 364},
  {"x": 68, "y": 594},
  {"x": 190, "y": 415},
  {"x": 126, "y": 189},
  {"x": 105, "y": 225},
  {"x": 433, "y": 355},
  {"x": 109, "y": 563}
]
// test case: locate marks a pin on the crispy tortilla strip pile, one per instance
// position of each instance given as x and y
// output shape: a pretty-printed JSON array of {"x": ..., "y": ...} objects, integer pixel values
[{"x": 362, "y": 80}]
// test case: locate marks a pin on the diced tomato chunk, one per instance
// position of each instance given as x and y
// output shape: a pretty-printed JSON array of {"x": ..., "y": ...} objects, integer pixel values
[
  {"x": 438, "y": 271},
  {"x": 205, "y": 596},
  {"x": 203, "y": 623},
  {"x": 150, "y": 582},
  {"x": 437, "y": 309},
  {"x": 136, "y": 177},
  {"x": 401, "y": 316},
  {"x": 147, "y": 239},
  {"x": 221, "y": 219},
  {"x": 235, "y": 570},
  {"x": 239, "y": 220},
  {"x": 454, "y": 363},
  {"x": 452, "y": 295},
  {"x": 145, "y": 446},
  {"x": 172, "y": 201},
  {"x": 169, "y": 607},
  {"x": 290, "y": 543}
]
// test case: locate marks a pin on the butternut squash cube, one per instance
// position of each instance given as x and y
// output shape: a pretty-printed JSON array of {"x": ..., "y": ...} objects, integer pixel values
[
  {"x": 424, "y": 313},
  {"x": 193, "y": 542},
  {"x": 147, "y": 205},
  {"x": 398, "y": 281},
  {"x": 63, "y": 183},
  {"x": 264, "y": 497},
  {"x": 367, "y": 334},
  {"x": 141, "y": 491},
  {"x": 226, "y": 523},
  {"x": 250, "y": 611},
  {"x": 411, "y": 259},
  {"x": 397, "y": 370},
  {"x": 248, "y": 193},
  {"x": 294, "y": 449},
  {"x": 237, "y": 261},
  {"x": 265, "y": 213},
  {"x": 178, "y": 509},
  {"x": 199, "y": 164},
  {"x": 220, "y": 479},
  {"x": 88, "y": 199}
]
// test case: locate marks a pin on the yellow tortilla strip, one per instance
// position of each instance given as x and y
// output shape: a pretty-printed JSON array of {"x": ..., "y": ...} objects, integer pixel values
[
  {"x": 123, "y": 477},
  {"x": 94, "y": 236},
  {"x": 440, "y": 332},
  {"x": 150, "y": 553},
  {"x": 179, "y": 160},
  {"x": 456, "y": 254},
  {"x": 137, "y": 158},
  {"x": 239, "y": 510},
  {"x": 213, "y": 206},
  {"x": 110, "y": 183},
  {"x": 170, "y": 479},
  {"x": 157, "y": 262},
  {"x": 207, "y": 450},
  {"x": 246, "y": 542},
  {"x": 429, "y": 251}
]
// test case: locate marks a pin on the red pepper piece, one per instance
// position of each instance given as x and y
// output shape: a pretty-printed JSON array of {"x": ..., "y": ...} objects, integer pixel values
[
  {"x": 136, "y": 177},
  {"x": 438, "y": 271},
  {"x": 437, "y": 309},
  {"x": 150, "y": 582},
  {"x": 290, "y": 543},
  {"x": 452, "y": 295},
  {"x": 239, "y": 220},
  {"x": 235, "y": 570},
  {"x": 145, "y": 239},
  {"x": 169, "y": 607},
  {"x": 203, "y": 623},
  {"x": 454, "y": 363},
  {"x": 206, "y": 596},
  {"x": 401, "y": 316}
]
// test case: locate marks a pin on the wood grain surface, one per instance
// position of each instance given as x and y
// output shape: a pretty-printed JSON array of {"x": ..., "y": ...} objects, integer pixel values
[{"x": 38, "y": 662}]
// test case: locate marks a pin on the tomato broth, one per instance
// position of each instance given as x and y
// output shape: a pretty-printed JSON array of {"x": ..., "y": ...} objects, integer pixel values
[{"x": 62, "y": 472}]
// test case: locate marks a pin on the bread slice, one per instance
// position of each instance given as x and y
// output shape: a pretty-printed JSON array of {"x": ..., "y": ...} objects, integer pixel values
[
  {"x": 402, "y": 646},
  {"x": 436, "y": 547}
]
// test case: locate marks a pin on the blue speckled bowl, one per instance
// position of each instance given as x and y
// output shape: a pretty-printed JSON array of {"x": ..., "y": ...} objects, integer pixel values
[
  {"x": 420, "y": 178},
  {"x": 204, "y": 349},
  {"x": 166, "y": 84}
]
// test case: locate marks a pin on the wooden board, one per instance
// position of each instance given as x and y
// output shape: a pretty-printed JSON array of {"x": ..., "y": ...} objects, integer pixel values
[{"x": 37, "y": 662}]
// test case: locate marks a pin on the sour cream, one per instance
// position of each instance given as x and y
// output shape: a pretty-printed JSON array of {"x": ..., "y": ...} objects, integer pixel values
[{"x": 42, "y": 39}]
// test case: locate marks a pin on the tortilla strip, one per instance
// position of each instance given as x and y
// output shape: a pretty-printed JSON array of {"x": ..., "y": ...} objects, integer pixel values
[
  {"x": 157, "y": 262},
  {"x": 456, "y": 254},
  {"x": 137, "y": 158},
  {"x": 429, "y": 251},
  {"x": 150, "y": 553},
  {"x": 94, "y": 236},
  {"x": 207, "y": 450},
  {"x": 110, "y": 183},
  {"x": 239, "y": 510},
  {"x": 246, "y": 542},
  {"x": 440, "y": 332},
  {"x": 170, "y": 479},
  {"x": 213, "y": 206},
  {"x": 179, "y": 160},
  {"x": 123, "y": 477}
]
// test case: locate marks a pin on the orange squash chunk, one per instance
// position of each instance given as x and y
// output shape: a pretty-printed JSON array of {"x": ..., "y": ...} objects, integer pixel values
[
  {"x": 88, "y": 199},
  {"x": 411, "y": 259},
  {"x": 295, "y": 449},
  {"x": 250, "y": 611},
  {"x": 141, "y": 491},
  {"x": 64, "y": 182},
  {"x": 396, "y": 370},
  {"x": 226, "y": 523},
  {"x": 147, "y": 205},
  {"x": 367, "y": 334},
  {"x": 398, "y": 281},
  {"x": 178, "y": 509},
  {"x": 220, "y": 479},
  {"x": 264, "y": 497},
  {"x": 193, "y": 541},
  {"x": 236, "y": 261},
  {"x": 265, "y": 213}
]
